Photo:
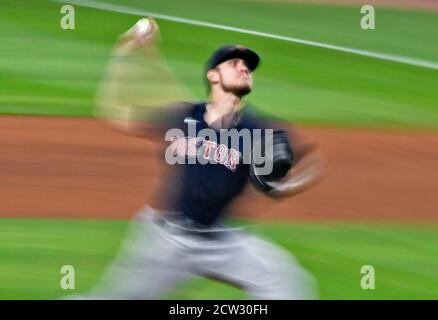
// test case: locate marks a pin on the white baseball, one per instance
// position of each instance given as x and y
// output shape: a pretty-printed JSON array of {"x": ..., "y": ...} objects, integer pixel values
[{"x": 143, "y": 26}]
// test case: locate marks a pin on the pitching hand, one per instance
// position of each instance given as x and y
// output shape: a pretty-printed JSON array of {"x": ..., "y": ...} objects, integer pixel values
[{"x": 140, "y": 36}]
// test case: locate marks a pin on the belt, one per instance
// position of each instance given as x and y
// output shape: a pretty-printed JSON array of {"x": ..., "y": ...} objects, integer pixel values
[{"x": 189, "y": 227}]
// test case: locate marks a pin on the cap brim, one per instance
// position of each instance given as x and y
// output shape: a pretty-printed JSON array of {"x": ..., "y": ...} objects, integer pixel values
[{"x": 249, "y": 56}]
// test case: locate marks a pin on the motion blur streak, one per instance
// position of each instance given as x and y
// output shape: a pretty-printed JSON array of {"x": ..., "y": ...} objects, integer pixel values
[{"x": 138, "y": 12}]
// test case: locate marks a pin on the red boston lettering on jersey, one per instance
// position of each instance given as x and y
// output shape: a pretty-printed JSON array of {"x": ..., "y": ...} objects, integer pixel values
[
  {"x": 182, "y": 146},
  {"x": 209, "y": 146},
  {"x": 192, "y": 147},
  {"x": 174, "y": 145},
  {"x": 233, "y": 159},
  {"x": 221, "y": 153}
]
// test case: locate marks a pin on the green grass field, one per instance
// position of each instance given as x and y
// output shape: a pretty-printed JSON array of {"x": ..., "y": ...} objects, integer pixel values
[
  {"x": 45, "y": 70},
  {"x": 405, "y": 258}
]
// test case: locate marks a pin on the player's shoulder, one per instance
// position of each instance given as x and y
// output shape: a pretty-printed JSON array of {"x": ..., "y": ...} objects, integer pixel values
[
  {"x": 184, "y": 107},
  {"x": 190, "y": 109},
  {"x": 254, "y": 117},
  {"x": 176, "y": 112}
]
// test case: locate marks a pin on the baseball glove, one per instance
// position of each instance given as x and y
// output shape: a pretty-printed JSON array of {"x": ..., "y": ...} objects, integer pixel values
[{"x": 282, "y": 161}]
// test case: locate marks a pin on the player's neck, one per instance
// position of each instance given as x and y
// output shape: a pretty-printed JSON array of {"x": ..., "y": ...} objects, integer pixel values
[
  {"x": 224, "y": 103},
  {"x": 223, "y": 109}
]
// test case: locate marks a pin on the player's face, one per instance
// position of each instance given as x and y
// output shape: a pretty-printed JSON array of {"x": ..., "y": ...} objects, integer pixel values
[{"x": 235, "y": 77}]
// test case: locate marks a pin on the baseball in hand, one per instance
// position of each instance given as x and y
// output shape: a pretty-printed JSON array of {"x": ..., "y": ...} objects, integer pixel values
[
  {"x": 141, "y": 33},
  {"x": 143, "y": 27}
]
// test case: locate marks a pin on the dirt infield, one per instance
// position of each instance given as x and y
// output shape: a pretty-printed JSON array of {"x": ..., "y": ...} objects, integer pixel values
[{"x": 79, "y": 168}]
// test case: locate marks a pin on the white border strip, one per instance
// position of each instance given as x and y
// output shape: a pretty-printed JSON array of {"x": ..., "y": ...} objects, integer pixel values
[{"x": 138, "y": 12}]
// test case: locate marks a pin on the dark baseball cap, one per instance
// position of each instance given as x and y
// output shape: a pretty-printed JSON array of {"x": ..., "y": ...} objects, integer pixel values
[{"x": 231, "y": 52}]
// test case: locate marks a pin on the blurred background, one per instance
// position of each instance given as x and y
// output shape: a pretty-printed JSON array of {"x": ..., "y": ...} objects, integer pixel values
[{"x": 69, "y": 184}]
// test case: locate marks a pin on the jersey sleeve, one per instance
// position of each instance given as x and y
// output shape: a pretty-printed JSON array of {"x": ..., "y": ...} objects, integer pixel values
[{"x": 154, "y": 123}]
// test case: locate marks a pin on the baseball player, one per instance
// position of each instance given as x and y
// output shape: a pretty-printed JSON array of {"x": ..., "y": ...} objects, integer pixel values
[{"x": 182, "y": 235}]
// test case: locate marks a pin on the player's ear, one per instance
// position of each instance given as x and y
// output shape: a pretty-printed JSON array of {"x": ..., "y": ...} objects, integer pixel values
[{"x": 213, "y": 76}]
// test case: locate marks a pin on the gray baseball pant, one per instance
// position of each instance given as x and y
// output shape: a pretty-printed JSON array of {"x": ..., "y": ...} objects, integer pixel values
[{"x": 155, "y": 258}]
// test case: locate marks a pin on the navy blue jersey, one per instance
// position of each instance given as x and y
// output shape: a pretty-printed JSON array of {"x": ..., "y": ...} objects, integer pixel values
[{"x": 202, "y": 191}]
